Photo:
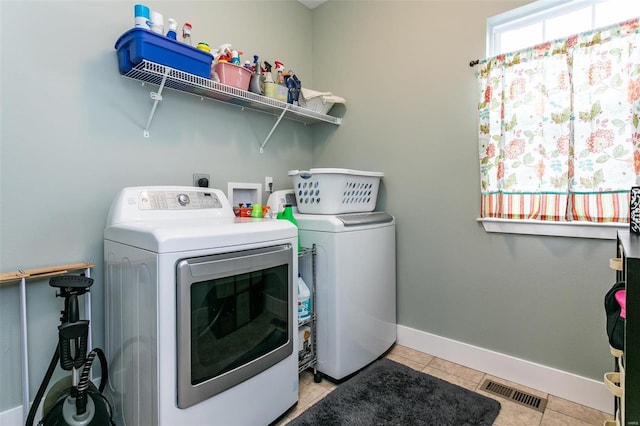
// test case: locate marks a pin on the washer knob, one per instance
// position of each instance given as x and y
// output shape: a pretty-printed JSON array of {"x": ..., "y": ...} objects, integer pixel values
[{"x": 183, "y": 199}]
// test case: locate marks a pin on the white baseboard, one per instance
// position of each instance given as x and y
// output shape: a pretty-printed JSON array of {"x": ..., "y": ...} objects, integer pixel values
[
  {"x": 13, "y": 417},
  {"x": 581, "y": 390}
]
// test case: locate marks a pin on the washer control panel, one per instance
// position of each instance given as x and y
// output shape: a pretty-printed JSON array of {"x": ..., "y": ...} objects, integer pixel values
[
  {"x": 167, "y": 203},
  {"x": 174, "y": 200}
]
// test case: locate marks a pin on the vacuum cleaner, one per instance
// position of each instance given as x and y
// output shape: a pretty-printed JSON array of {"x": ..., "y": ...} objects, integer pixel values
[{"x": 73, "y": 400}]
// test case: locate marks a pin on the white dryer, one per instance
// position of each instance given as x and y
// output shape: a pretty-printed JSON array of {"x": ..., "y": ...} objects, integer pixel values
[
  {"x": 199, "y": 309},
  {"x": 355, "y": 288}
]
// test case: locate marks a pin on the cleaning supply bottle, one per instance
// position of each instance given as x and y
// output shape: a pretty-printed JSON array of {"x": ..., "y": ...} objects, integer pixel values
[
  {"x": 304, "y": 300},
  {"x": 204, "y": 47},
  {"x": 235, "y": 57},
  {"x": 173, "y": 27},
  {"x": 186, "y": 33},
  {"x": 142, "y": 16},
  {"x": 255, "y": 85},
  {"x": 287, "y": 214},
  {"x": 269, "y": 84}
]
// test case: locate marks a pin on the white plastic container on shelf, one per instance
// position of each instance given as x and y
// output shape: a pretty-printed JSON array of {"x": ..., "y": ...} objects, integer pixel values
[
  {"x": 321, "y": 102},
  {"x": 304, "y": 300},
  {"x": 335, "y": 191}
]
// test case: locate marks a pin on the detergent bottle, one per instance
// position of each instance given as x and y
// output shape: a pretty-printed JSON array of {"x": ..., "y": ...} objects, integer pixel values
[
  {"x": 304, "y": 300},
  {"x": 287, "y": 214}
]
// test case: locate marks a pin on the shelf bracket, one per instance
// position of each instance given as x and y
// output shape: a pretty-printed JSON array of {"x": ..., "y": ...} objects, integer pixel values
[
  {"x": 273, "y": 129},
  {"x": 157, "y": 97}
]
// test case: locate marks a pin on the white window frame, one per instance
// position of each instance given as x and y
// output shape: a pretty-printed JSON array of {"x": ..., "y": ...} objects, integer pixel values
[
  {"x": 520, "y": 17},
  {"x": 532, "y": 13},
  {"x": 577, "y": 229}
]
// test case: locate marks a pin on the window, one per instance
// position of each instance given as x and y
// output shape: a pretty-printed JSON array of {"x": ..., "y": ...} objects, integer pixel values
[
  {"x": 559, "y": 125},
  {"x": 548, "y": 20}
]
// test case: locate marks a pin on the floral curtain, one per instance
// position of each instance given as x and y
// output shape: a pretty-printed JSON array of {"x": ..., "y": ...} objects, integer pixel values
[{"x": 559, "y": 128}]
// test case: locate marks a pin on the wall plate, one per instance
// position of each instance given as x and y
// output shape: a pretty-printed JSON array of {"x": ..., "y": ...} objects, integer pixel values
[
  {"x": 198, "y": 176},
  {"x": 244, "y": 193}
]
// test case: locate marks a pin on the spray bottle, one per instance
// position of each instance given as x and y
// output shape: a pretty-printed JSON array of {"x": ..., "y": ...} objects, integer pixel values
[
  {"x": 269, "y": 85},
  {"x": 280, "y": 69},
  {"x": 256, "y": 83}
]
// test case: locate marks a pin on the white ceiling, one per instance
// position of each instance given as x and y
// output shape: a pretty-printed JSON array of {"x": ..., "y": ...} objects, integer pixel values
[{"x": 312, "y": 3}]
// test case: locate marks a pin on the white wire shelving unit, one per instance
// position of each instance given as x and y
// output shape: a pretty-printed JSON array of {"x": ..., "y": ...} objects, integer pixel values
[{"x": 170, "y": 78}]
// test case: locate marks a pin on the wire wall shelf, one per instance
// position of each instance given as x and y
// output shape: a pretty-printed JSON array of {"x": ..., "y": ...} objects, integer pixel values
[{"x": 170, "y": 78}]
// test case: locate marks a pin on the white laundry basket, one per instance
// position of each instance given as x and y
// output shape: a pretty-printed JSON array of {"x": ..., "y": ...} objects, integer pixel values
[
  {"x": 321, "y": 102},
  {"x": 335, "y": 191}
]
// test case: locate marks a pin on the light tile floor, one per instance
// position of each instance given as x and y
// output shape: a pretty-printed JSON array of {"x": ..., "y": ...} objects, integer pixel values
[{"x": 559, "y": 412}]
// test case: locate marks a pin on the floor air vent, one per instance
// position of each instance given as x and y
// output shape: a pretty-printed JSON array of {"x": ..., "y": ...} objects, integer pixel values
[{"x": 515, "y": 395}]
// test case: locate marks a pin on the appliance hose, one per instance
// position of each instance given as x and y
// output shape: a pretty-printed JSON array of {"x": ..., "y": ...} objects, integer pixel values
[
  {"x": 42, "y": 388},
  {"x": 68, "y": 361},
  {"x": 83, "y": 383}
]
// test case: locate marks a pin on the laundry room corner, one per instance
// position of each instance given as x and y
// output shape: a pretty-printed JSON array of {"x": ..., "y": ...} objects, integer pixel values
[{"x": 160, "y": 176}]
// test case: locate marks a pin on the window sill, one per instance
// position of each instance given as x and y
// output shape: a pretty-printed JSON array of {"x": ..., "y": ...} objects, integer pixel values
[{"x": 603, "y": 231}]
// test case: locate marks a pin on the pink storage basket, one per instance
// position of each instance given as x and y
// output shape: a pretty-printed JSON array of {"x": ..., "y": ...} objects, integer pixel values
[{"x": 233, "y": 75}]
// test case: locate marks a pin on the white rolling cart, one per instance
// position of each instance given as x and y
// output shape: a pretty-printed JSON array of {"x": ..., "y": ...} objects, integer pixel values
[{"x": 307, "y": 331}]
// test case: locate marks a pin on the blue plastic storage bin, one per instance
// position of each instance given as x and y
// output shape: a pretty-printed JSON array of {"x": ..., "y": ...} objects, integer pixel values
[{"x": 139, "y": 43}]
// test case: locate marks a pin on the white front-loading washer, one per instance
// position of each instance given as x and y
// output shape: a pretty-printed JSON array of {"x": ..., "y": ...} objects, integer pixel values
[
  {"x": 355, "y": 288},
  {"x": 199, "y": 310}
]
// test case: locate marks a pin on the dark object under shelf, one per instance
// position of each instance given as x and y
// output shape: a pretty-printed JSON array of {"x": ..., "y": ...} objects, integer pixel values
[{"x": 628, "y": 248}]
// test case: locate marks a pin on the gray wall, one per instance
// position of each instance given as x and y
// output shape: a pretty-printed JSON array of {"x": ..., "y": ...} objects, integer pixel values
[
  {"x": 71, "y": 137},
  {"x": 404, "y": 69}
]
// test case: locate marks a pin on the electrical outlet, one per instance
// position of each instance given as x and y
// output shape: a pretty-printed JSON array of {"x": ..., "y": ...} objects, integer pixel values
[
  {"x": 201, "y": 180},
  {"x": 268, "y": 184}
]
